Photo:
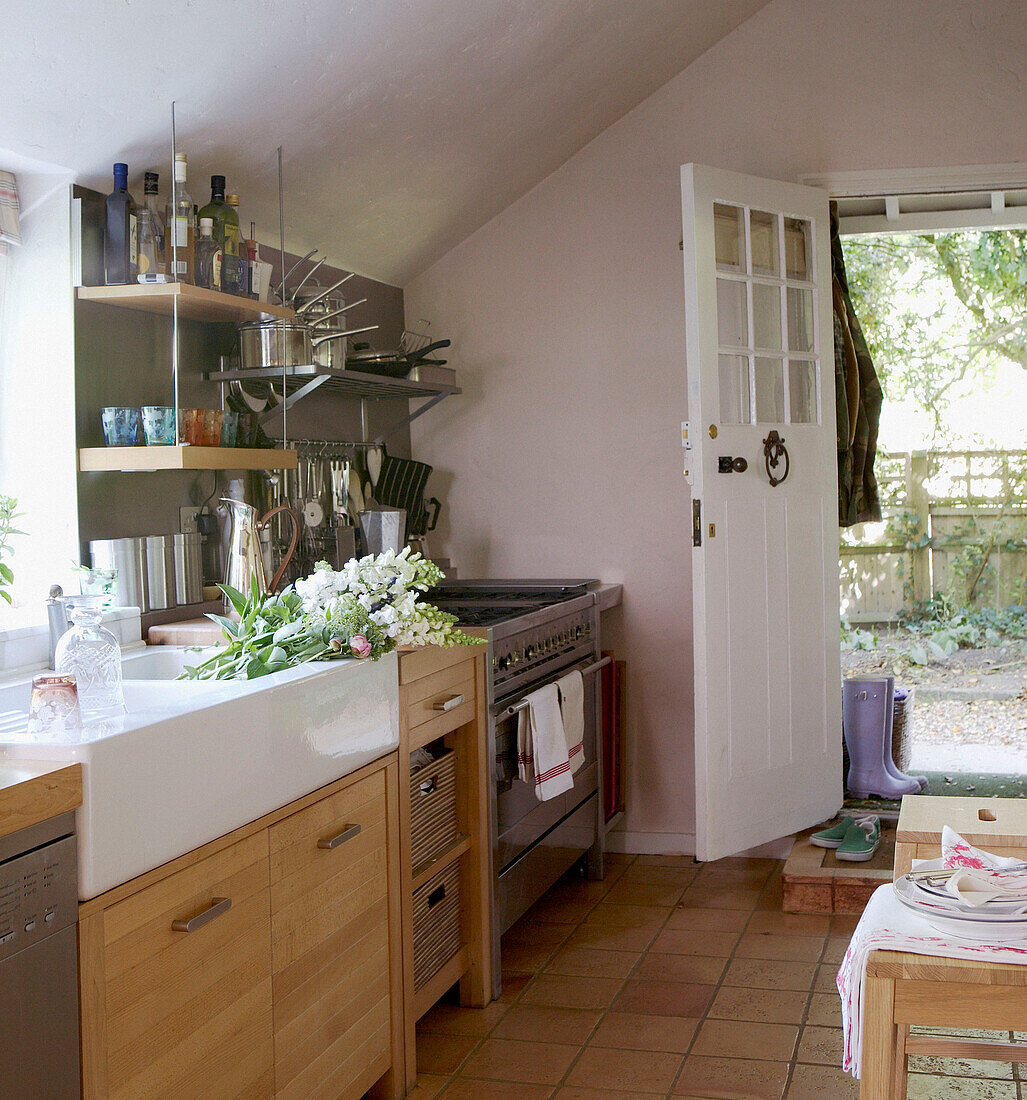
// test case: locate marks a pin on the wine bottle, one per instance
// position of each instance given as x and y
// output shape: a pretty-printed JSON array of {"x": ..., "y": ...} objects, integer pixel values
[
  {"x": 153, "y": 205},
  {"x": 180, "y": 227},
  {"x": 224, "y": 222},
  {"x": 120, "y": 238},
  {"x": 208, "y": 255}
]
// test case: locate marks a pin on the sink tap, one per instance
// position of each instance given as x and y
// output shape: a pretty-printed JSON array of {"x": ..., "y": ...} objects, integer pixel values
[{"x": 57, "y": 617}]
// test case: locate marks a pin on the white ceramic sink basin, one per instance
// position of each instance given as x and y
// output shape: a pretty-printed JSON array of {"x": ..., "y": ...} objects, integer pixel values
[
  {"x": 162, "y": 662},
  {"x": 193, "y": 760}
]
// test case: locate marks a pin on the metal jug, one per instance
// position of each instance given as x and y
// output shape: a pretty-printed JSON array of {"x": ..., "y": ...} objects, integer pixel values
[{"x": 245, "y": 560}]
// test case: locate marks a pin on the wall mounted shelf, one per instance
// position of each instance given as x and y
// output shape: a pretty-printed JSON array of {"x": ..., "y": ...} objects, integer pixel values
[
  {"x": 186, "y": 458},
  {"x": 194, "y": 302},
  {"x": 301, "y": 381}
]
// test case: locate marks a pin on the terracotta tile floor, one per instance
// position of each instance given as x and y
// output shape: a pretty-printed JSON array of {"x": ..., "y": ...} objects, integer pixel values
[{"x": 669, "y": 980}]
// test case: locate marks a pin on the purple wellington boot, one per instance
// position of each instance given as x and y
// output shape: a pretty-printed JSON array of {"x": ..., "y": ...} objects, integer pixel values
[
  {"x": 866, "y": 711},
  {"x": 889, "y": 760}
]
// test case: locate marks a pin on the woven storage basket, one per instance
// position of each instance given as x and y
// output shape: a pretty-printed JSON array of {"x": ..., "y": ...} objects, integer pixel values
[
  {"x": 433, "y": 823},
  {"x": 436, "y": 923}
]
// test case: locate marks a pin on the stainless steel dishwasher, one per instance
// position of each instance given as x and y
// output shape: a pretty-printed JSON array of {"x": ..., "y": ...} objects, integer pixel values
[{"x": 39, "y": 1037}]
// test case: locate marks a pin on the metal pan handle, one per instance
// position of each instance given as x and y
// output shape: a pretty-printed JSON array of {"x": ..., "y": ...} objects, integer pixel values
[{"x": 507, "y": 710}]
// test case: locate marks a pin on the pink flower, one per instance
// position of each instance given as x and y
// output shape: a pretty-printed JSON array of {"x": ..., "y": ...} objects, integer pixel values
[{"x": 360, "y": 645}]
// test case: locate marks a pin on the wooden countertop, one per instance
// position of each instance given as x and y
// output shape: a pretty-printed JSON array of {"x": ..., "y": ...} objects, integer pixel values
[{"x": 34, "y": 790}]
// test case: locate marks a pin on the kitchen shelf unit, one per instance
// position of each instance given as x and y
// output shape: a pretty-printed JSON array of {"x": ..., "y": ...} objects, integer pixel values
[
  {"x": 184, "y": 457},
  {"x": 302, "y": 381},
  {"x": 195, "y": 303}
]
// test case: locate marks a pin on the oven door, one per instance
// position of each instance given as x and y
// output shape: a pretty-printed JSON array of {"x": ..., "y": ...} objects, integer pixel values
[{"x": 522, "y": 820}]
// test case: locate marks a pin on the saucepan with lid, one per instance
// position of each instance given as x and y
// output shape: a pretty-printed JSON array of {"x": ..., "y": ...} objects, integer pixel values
[{"x": 277, "y": 344}]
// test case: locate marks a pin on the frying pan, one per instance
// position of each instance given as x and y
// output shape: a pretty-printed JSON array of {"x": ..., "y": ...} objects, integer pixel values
[{"x": 395, "y": 363}]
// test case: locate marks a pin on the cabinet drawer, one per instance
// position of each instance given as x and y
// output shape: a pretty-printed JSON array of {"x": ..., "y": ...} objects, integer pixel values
[
  {"x": 438, "y": 704},
  {"x": 188, "y": 1008},
  {"x": 330, "y": 944}
]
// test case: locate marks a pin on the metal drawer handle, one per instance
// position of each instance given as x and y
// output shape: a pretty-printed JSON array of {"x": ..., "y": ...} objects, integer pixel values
[
  {"x": 450, "y": 703},
  {"x": 333, "y": 842},
  {"x": 217, "y": 907},
  {"x": 429, "y": 785}
]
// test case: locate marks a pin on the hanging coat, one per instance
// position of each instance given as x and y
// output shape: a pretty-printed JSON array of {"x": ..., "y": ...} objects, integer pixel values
[{"x": 858, "y": 398}]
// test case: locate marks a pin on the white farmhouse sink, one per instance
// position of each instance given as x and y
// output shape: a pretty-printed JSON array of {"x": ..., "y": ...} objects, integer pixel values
[{"x": 193, "y": 760}]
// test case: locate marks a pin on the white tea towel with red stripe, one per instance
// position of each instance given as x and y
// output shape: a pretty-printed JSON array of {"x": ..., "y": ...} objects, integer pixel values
[
  {"x": 887, "y": 925},
  {"x": 542, "y": 758},
  {"x": 572, "y": 709},
  {"x": 10, "y": 229}
]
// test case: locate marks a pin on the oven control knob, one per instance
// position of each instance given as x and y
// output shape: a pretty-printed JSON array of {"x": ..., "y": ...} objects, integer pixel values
[
  {"x": 578, "y": 633},
  {"x": 502, "y": 662},
  {"x": 529, "y": 652}
]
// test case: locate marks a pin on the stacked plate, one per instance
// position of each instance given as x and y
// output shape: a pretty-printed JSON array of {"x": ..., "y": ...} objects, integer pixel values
[{"x": 993, "y": 922}]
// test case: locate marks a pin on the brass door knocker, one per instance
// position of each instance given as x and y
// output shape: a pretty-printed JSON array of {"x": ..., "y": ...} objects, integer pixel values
[{"x": 773, "y": 451}]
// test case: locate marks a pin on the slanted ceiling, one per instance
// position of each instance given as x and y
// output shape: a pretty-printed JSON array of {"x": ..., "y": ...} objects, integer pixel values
[{"x": 406, "y": 124}]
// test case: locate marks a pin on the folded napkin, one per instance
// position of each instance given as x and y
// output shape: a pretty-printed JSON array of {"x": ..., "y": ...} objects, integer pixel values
[
  {"x": 887, "y": 925},
  {"x": 982, "y": 877},
  {"x": 572, "y": 709},
  {"x": 542, "y": 758}
]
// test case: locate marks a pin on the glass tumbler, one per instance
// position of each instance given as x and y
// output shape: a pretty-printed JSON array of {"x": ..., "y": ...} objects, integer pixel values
[
  {"x": 120, "y": 425},
  {"x": 54, "y": 704},
  {"x": 90, "y": 652},
  {"x": 229, "y": 428},
  {"x": 159, "y": 425},
  {"x": 211, "y": 434},
  {"x": 191, "y": 426}
]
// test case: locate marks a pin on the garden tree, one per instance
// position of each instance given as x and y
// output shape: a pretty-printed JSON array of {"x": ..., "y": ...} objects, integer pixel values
[{"x": 939, "y": 309}]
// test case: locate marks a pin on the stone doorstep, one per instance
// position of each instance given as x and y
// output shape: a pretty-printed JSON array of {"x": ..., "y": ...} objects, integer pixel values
[{"x": 814, "y": 880}]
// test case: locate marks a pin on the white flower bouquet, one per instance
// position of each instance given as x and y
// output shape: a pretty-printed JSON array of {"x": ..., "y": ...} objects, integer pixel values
[{"x": 366, "y": 609}]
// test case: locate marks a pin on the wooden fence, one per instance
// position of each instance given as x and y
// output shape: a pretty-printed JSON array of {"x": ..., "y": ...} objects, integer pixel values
[{"x": 955, "y": 523}]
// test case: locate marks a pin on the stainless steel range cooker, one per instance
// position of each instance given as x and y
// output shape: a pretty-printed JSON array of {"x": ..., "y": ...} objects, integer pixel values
[{"x": 537, "y": 631}]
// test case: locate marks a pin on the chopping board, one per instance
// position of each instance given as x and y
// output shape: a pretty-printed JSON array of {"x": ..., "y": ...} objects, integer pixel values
[{"x": 188, "y": 632}]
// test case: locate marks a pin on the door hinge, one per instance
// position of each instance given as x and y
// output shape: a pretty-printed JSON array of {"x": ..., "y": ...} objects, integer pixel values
[{"x": 697, "y": 523}]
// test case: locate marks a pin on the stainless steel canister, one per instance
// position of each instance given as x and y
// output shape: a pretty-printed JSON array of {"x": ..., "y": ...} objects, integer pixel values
[
  {"x": 188, "y": 551},
  {"x": 160, "y": 572},
  {"x": 127, "y": 557}
]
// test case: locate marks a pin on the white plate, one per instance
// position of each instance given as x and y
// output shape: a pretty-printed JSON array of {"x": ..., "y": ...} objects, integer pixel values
[
  {"x": 974, "y": 923},
  {"x": 1014, "y": 905}
]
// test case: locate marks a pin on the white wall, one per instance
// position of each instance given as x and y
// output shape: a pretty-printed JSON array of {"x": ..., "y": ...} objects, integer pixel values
[
  {"x": 38, "y": 461},
  {"x": 563, "y": 455}
]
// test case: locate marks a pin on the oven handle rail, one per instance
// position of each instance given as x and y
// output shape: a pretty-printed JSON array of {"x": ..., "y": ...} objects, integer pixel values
[{"x": 506, "y": 711}]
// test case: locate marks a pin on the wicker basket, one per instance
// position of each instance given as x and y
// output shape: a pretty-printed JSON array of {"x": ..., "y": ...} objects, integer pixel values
[
  {"x": 433, "y": 821},
  {"x": 436, "y": 923},
  {"x": 902, "y": 728}
]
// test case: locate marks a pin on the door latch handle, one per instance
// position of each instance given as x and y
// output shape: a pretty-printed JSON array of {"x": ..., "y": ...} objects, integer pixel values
[
  {"x": 773, "y": 451},
  {"x": 727, "y": 465}
]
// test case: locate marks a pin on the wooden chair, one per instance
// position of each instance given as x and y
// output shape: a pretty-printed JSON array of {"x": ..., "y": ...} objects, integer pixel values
[{"x": 904, "y": 989}]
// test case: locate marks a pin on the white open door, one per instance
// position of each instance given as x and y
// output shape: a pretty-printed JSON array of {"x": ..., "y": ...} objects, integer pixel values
[{"x": 760, "y": 358}]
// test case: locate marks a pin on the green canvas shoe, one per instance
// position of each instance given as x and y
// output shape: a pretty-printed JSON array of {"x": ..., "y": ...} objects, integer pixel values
[
  {"x": 861, "y": 841},
  {"x": 831, "y": 838}
]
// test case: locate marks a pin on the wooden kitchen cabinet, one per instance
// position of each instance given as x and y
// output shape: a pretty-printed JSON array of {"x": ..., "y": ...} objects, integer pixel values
[
  {"x": 330, "y": 944},
  {"x": 442, "y": 702},
  {"x": 291, "y": 989}
]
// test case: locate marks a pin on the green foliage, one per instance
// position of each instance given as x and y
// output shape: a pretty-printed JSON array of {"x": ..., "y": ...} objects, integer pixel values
[
  {"x": 939, "y": 310},
  {"x": 939, "y": 630},
  {"x": 855, "y": 638},
  {"x": 8, "y": 515}
]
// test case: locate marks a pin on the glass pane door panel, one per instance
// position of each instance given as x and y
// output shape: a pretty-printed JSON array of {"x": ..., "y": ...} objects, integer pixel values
[
  {"x": 763, "y": 241},
  {"x": 728, "y": 237},
  {"x": 800, "y": 319},
  {"x": 802, "y": 391},
  {"x": 735, "y": 404},
  {"x": 732, "y": 314},
  {"x": 770, "y": 391},
  {"x": 766, "y": 316},
  {"x": 797, "y": 249}
]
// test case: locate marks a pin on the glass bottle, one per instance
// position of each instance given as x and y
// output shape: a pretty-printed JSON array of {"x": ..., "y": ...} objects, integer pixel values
[
  {"x": 153, "y": 205},
  {"x": 147, "y": 252},
  {"x": 225, "y": 222},
  {"x": 120, "y": 238},
  {"x": 90, "y": 652},
  {"x": 233, "y": 263},
  {"x": 181, "y": 226},
  {"x": 208, "y": 257}
]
